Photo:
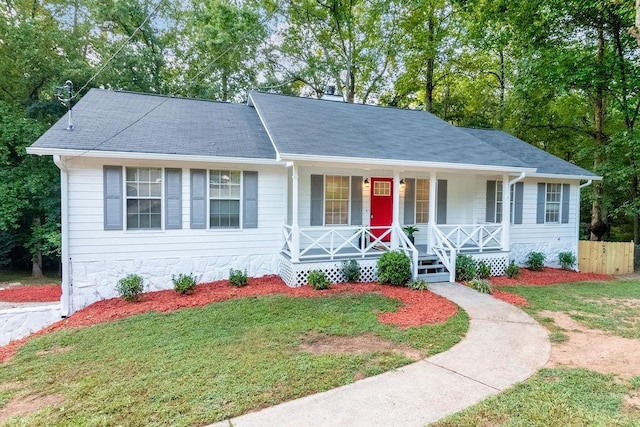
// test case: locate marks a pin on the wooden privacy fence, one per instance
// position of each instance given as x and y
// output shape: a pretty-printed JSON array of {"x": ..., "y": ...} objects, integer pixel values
[{"x": 605, "y": 257}]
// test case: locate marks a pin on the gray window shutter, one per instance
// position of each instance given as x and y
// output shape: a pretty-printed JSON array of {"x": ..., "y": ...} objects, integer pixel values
[
  {"x": 173, "y": 199},
  {"x": 542, "y": 197},
  {"x": 198, "y": 198},
  {"x": 113, "y": 204},
  {"x": 566, "y": 193},
  {"x": 518, "y": 196},
  {"x": 491, "y": 202},
  {"x": 356, "y": 200},
  {"x": 441, "y": 213},
  {"x": 250, "y": 200},
  {"x": 317, "y": 199},
  {"x": 410, "y": 201}
]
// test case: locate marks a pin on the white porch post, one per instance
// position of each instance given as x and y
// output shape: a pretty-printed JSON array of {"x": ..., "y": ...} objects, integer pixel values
[
  {"x": 506, "y": 211},
  {"x": 395, "y": 239},
  {"x": 432, "y": 210},
  {"x": 295, "y": 228}
]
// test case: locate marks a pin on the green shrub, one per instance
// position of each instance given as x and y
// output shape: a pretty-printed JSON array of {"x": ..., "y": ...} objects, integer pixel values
[
  {"x": 350, "y": 270},
  {"x": 130, "y": 287},
  {"x": 535, "y": 261},
  {"x": 419, "y": 285},
  {"x": 318, "y": 280},
  {"x": 465, "y": 268},
  {"x": 567, "y": 260},
  {"x": 512, "y": 271},
  {"x": 184, "y": 283},
  {"x": 394, "y": 267},
  {"x": 483, "y": 270},
  {"x": 481, "y": 285},
  {"x": 238, "y": 278}
]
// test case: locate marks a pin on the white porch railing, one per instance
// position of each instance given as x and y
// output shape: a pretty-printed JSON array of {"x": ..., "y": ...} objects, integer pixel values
[
  {"x": 445, "y": 251},
  {"x": 330, "y": 243},
  {"x": 473, "y": 237}
]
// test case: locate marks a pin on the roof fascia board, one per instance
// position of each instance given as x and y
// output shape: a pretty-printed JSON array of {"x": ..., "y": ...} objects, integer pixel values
[
  {"x": 251, "y": 102},
  {"x": 559, "y": 176},
  {"x": 148, "y": 156},
  {"x": 404, "y": 163}
]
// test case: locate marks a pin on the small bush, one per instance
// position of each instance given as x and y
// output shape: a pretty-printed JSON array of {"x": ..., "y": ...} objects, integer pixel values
[
  {"x": 184, "y": 283},
  {"x": 483, "y": 270},
  {"x": 481, "y": 285},
  {"x": 238, "y": 278},
  {"x": 394, "y": 267},
  {"x": 567, "y": 260},
  {"x": 465, "y": 268},
  {"x": 350, "y": 270},
  {"x": 419, "y": 285},
  {"x": 535, "y": 261},
  {"x": 130, "y": 287},
  {"x": 318, "y": 280},
  {"x": 512, "y": 271}
]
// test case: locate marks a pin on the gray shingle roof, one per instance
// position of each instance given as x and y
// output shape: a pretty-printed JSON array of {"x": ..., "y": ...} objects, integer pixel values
[
  {"x": 140, "y": 123},
  {"x": 304, "y": 126},
  {"x": 162, "y": 125},
  {"x": 544, "y": 162}
]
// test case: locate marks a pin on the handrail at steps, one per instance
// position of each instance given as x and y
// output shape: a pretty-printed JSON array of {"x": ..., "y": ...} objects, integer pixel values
[
  {"x": 440, "y": 248},
  {"x": 406, "y": 246}
]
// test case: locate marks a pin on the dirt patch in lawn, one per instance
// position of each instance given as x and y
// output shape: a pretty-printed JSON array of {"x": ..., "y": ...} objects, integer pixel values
[
  {"x": 54, "y": 350},
  {"x": 593, "y": 349},
  {"x": 361, "y": 344},
  {"x": 418, "y": 307},
  {"x": 27, "y": 405}
]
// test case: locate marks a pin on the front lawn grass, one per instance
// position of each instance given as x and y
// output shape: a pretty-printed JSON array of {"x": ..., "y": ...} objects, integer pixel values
[
  {"x": 197, "y": 366},
  {"x": 552, "y": 398},
  {"x": 611, "y": 306},
  {"x": 566, "y": 396}
]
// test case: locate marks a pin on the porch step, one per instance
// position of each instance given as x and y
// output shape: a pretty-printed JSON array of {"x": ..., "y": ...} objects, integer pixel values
[{"x": 431, "y": 269}]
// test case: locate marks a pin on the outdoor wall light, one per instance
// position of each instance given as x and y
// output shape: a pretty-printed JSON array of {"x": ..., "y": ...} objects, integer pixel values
[
  {"x": 402, "y": 182},
  {"x": 366, "y": 181}
]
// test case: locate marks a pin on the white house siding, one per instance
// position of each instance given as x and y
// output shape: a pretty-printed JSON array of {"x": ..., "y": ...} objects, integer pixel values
[
  {"x": 99, "y": 258},
  {"x": 550, "y": 239}
]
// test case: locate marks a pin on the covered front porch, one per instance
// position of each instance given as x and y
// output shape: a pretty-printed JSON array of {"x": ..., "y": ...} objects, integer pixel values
[{"x": 427, "y": 200}]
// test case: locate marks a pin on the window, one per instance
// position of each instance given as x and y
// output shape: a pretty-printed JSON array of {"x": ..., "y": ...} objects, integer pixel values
[
  {"x": 144, "y": 198},
  {"x": 422, "y": 201},
  {"x": 224, "y": 199},
  {"x": 336, "y": 201},
  {"x": 553, "y": 203},
  {"x": 498, "y": 200}
]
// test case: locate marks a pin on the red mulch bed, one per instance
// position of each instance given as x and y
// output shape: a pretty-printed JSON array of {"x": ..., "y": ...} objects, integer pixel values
[
  {"x": 510, "y": 298},
  {"x": 419, "y": 307},
  {"x": 43, "y": 293},
  {"x": 548, "y": 276}
]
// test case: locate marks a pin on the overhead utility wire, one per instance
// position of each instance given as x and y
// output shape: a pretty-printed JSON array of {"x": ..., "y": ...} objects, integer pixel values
[{"x": 244, "y": 36}]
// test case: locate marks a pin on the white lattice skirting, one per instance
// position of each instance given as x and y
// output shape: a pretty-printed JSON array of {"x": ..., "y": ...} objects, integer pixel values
[
  {"x": 497, "y": 261},
  {"x": 295, "y": 275}
]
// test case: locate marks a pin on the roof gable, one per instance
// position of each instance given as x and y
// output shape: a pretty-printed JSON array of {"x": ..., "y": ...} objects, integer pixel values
[{"x": 137, "y": 123}]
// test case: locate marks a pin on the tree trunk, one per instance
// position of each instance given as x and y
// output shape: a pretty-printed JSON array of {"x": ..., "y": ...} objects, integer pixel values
[
  {"x": 36, "y": 270},
  {"x": 599, "y": 220},
  {"x": 503, "y": 90}
]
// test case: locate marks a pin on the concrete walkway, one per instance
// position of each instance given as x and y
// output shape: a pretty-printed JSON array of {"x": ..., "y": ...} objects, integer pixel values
[{"x": 503, "y": 346}]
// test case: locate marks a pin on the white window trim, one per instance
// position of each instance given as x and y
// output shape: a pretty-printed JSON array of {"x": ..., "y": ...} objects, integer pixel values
[
  {"x": 559, "y": 203},
  {"x": 324, "y": 201},
  {"x": 125, "y": 198},
  {"x": 512, "y": 204},
  {"x": 415, "y": 201},
  {"x": 241, "y": 200}
]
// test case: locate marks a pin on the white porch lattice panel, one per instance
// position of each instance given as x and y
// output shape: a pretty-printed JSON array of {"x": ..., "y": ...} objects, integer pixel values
[
  {"x": 498, "y": 261},
  {"x": 297, "y": 274}
]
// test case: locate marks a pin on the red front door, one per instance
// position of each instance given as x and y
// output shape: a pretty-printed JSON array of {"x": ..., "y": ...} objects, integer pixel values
[{"x": 381, "y": 206}]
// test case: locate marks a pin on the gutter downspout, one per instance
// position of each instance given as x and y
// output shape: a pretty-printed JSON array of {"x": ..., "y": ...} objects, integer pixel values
[
  {"x": 577, "y": 240},
  {"x": 65, "y": 301}
]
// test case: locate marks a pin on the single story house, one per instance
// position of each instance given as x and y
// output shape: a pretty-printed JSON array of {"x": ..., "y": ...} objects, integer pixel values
[{"x": 158, "y": 186}]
